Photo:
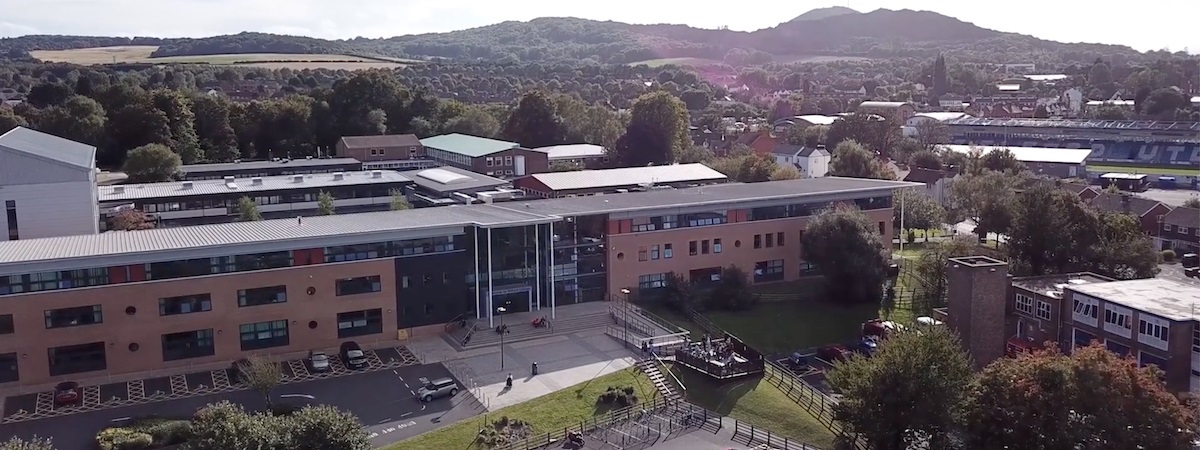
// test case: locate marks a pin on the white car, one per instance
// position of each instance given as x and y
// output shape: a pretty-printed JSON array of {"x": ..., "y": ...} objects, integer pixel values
[
  {"x": 318, "y": 362},
  {"x": 928, "y": 321}
]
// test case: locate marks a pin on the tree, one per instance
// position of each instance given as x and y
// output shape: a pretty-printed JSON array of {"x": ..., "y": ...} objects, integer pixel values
[
  {"x": 535, "y": 123},
  {"x": 931, "y": 133},
  {"x": 986, "y": 199},
  {"x": 732, "y": 292},
  {"x": 37, "y": 443},
  {"x": 930, "y": 266},
  {"x": 920, "y": 211},
  {"x": 785, "y": 172},
  {"x": 326, "y": 428},
  {"x": 746, "y": 168},
  {"x": 181, "y": 122},
  {"x": 399, "y": 200},
  {"x": 248, "y": 210},
  {"x": 325, "y": 203},
  {"x": 846, "y": 247},
  {"x": 1122, "y": 250},
  {"x": 10, "y": 120},
  {"x": 1001, "y": 160},
  {"x": 850, "y": 159},
  {"x": 910, "y": 393},
  {"x": 1046, "y": 222},
  {"x": 940, "y": 82},
  {"x": 261, "y": 374},
  {"x": 151, "y": 163},
  {"x": 879, "y": 134},
  {"x": 217, "y": 139},
  {"x": 129, "y": 220},
  {"x": 925, "y": 159},
  {"x": 473, "y": 121},
  {"x": 657, "y": 132},
  {"x": 1048, "y": 400},
  {"x": 226, "y": 425},
  {"x": 79, "y": 119},
  {"x": 1193, "y": 202},
  {"x": 136, "y": 124},
  {"x": 1162, "y": 103}
]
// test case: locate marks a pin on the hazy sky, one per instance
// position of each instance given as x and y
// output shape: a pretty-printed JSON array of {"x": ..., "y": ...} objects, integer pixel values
[{"x": 1145, "y": 25}]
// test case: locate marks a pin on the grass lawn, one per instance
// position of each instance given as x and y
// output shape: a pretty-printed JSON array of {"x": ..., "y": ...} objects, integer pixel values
[
  {"x": 784, "y": 327},
  {"x": 1144, "y": 170},
  {"x": 757, "y": 402},
  {"x": 553, "y": 411}
]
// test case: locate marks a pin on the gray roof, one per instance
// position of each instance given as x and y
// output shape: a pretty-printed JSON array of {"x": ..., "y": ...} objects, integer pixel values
[
  {"x": 467, "y": 145},
  {"x": 465, "y": 180},
  {"x": 628, "y": 176},
  {"x": 810, "y": 151},
  {"x": 1164, "y": 298},
  {"x": 383, "y": 140},
  {"x": 1115, "y": 203},
  {"x": 1184, "y": 217},
  {"x": 126, "y": 192},
  {"x": 787, "y": 149},
  {"x": 49, "y": 147},
  {"x": 258, "y": 165}
]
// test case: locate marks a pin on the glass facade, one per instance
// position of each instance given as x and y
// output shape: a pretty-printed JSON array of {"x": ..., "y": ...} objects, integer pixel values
[
  {"x": 580, "y": 258},
  {"x": 512, "y": 268}
]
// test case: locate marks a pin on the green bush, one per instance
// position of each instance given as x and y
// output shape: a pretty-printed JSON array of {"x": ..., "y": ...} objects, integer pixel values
[
  {"x": 1168, "y": 255},
  {"x": 166, "y": 431},
  {"x": 120, "y": 438},
  {"x": 619, "y": 397}
]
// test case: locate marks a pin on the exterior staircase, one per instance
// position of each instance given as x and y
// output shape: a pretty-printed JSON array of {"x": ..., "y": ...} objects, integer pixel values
[
  {"x": 522, "y": 330},
  {"x": 650, "y": 367}
]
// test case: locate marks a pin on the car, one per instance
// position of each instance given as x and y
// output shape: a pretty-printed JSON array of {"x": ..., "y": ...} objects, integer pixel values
[
  {"x": 867, "y": 346},
  {"x": 833, "y": 353},
  {"x": 318, "y": 362},
  {"x": 67, "y": 393},
  {"x": 441, "y": 387},
  {"x": 353, "y": 356},
  {"x": 1190, "y": 260},
  {"x": 1192, "y": 272}
]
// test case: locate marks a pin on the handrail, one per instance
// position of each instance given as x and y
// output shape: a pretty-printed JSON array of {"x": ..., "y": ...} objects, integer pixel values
[
  {"x": 450, "y": 324},
  {"x": 604, "y": 420},
  {"x": 660, "y": 362}
]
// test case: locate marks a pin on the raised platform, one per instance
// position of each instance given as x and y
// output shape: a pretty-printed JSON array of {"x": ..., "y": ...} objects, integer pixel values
[{"x": 567, "y": 320}]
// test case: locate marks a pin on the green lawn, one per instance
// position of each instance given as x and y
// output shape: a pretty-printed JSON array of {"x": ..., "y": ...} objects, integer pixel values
[
  {"x": 554, "y": 411},
  {"x": 1144, "y": 170},
  {"x": 784, "y": 327},
  {"x": 757, "y": 402}
]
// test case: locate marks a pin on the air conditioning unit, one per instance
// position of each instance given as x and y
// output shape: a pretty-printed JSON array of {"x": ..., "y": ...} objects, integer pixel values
[
  {"x": 187, "y": 185},
  {"x": 228, "y": 180},
  {"x": 297, "y": 178},
  {"x": 376, "y": 174},
  {"x": 118, "y": 189},
  {"x": 256, "y": 181},
  {"x": 339, "y": 176}
]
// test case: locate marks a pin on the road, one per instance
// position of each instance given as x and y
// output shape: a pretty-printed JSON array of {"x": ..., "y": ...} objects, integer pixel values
[{"x": 381, "y": 400}]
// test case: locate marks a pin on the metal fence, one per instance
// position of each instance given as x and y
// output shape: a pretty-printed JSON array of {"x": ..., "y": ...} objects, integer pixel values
[
  {"x": 747, "y": 433},
  {"x": 613, "y": 418}
]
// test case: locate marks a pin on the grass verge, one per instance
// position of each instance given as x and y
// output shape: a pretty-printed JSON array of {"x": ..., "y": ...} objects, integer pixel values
[{"x": 554, "y": 411}]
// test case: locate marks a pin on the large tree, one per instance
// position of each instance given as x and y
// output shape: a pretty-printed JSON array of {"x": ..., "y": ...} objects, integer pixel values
[
  {"x": 217, "y": 139},
  {"x": 930, "y": 266},
  {"x": 910, "y": 393},
  {"x": 10, "y": 120},
  {"x": 917, "y": 210},
  {"x": 851, "y": 159},
  {"x": 151, "y": 163},
  {"x": 879, "y": 134},
  {"x": 985, "y": 198},
  {"x": 79, "y": 119},
  {"x": 1092, "y": 399},
  {"x": 535, "y": 123},
  {"x": 846, "y": 247},
  {"x": 182, "y": 123},
  {"x": 1046, "y": 220},
  {"x": 657, "y": 132}
]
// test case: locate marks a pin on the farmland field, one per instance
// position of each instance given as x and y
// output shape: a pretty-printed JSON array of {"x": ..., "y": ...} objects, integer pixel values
[{"x": 130, "y": 54}]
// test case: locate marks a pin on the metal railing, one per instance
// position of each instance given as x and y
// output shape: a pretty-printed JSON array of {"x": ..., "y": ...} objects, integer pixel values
[
  {"x": 767, "y": 439},
  {"x": 623, "y": 415}
]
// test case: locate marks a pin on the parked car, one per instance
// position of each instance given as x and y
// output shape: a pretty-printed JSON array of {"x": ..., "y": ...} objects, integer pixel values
[
  {"x": 318, "y": 362},
  {"x": 833, "y": 353},
  {"x": 928, "y": 321},
  {"x": 867, "y": 346},
  {"x": 880, "y": 328},
  {"x": 67, "y": 393},
  {"x": 1190, "y": 260},
  {"x": 441, "y": 387},
  {"x": 353, "y": 356}
]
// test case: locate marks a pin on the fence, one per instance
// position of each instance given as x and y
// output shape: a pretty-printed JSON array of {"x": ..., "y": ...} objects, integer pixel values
[
  {"x": 464, "y": 375},
  {"x": 753, "y": 435},
  {"x": 627, "y": 414}
]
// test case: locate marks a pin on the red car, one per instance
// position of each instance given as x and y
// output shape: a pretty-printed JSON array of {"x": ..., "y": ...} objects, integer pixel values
[
  {"x": 67, "y": 393},
  {"x": 834, "y": 353}
]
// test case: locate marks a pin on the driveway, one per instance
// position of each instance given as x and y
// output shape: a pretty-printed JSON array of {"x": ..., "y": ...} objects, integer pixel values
[
  {"x": 1175, "y": 272},
  {"x": 382, "y": 400}
]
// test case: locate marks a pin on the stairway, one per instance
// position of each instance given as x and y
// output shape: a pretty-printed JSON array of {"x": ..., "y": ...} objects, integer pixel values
[
  {"x": 523, "y": 331},
  {"x": 649, "y": 366}
]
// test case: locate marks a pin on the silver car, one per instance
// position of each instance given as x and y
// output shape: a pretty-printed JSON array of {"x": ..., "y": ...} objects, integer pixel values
[
  {"x": 318, "y": 362},
  {"x": 438, "y": 388}
]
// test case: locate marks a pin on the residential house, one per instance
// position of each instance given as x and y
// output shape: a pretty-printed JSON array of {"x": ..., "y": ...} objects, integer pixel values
[
  {"x": 812, "y": 162},
  {"x": 937, "y": 182},
  {"x": 1150, "y": 213},
  {"x": 760, "y": 142},
  {"x": 487, "y": 156},
  {"x": 1181, "y": 230}
]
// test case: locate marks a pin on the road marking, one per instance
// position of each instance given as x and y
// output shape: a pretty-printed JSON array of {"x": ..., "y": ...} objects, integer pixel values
[
  {"x": 412, "y": 391},
  {"x": 120, "y": 419},
  {"x": 408, "y": 413},
  {"x": 297, "y": 396}
]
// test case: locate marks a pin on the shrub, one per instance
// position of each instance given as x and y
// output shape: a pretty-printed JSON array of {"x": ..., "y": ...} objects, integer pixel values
[
  {"x": 620, "y": 397},
  {"x": 167, "y": 432},
  {"x": 1168, "y": 255},
  {"x": 120, "y": 438}
]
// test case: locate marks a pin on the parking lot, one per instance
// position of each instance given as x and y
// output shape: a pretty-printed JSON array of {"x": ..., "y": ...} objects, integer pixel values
[
  {"x": 1175, "y": 272},
  {"x": 812, "y": 370},
  {"x": 41, "y": 405}
]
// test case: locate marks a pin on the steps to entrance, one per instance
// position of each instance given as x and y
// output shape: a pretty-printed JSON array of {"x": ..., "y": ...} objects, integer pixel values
[
  {"x": 524, "y": 331},
  {"x": 649, "y": 366}
]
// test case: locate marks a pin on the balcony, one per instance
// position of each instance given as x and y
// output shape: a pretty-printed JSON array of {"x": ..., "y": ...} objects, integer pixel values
[{"x": 722, "y": 358}]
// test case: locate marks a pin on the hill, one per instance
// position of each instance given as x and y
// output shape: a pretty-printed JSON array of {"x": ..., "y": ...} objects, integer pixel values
[
  {"x": 823, "y": 32},
  {"x": 823, "y": 13}
]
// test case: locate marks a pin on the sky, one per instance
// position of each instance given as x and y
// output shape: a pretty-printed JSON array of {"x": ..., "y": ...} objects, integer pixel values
[{"x": 1144, "y": 25}]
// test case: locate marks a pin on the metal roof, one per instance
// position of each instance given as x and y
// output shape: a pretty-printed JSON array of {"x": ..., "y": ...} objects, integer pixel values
[
  {"x": 1077, "y": 123},
  {"x": 942, "y": 116},
  {"x": 49, "y": 147},
  {"x": 383, "y": 140},
  {"x": 467, "y": 145},
  {"x": 628, "y": 176},
  {"x": 476, "y": 180},
  {"x": 258, "y": 165},
  {"x": 171, "y": 189},
  {"x": 1031, "y": 154},
  {"x": 572, "y": 151}
]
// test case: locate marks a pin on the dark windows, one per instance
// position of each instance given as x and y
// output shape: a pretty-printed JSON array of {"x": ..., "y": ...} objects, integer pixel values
[
  {"x": 667, "y": 252},
  {"x": 770, "y": 240},
  {"x": 70, "y": 359},
  {"x": 262, "y": 296},
  {"x": 655, "y": 252},
  {"x": 359, "y": 323},
  {"x": 47, "y": 281},
  {"x": 652, "y": 281},
  {"x": 758, "y": 241},
  {"x": 264, "y": 334},
  {"x": 882, "y": 228},
  {"x": 223, "y": 264},
  {"x": 184, "y": 304},
  {"x": 692, "y": 249},
  {"x": 768, "y": 270},
  {"x": 779, "y": 239},
  {"x": 8, "y": 368},
  {"x": 6, "y": 324},
  {"x": 704, "y": 248},
  {"x": 188, "y": 344},
  {"x": 10, "y": 210},
  {"x": 72, "y": 317},
  {"x": 705, "y": 219},
  {"x": 1146, "y": 359},
  {"x": 358, "y": 285},
  {"x": 643, "y": 254}
]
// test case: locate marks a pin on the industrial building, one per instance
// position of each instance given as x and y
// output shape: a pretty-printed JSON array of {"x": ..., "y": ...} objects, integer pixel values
[
  {"x": 116, "y": 303},
  {"x": 589, "y": 182},
  {"x": 388, "y": 151},
  {"x": 47, "y": 186},
  {"x": 490, "y": 157},
  {"x": 1052, "y": 162},
  {"x": 441, "y": 186}
]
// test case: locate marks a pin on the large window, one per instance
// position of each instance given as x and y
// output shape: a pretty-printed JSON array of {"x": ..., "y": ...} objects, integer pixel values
[
  {"x": 1024, "y": 304},
  {"x": 359, "y": 285},
  {"x": 184, "y": 304},
  {"x": 6, "y": 324},
  {"x": 188, "y": 344},
  {"x": 652, "y": 281},
  {"x": 1118, "y": 320},
  {"x": 223, "y": 264},
  {"x": 264, "y": 334},
  {"x": 1082, "y": 338},
  {"x": 77, "y": 358},
  {"x": 1146, "y": 359},
  {"x": 359, "y": 323},
  {"x": 10, "y": 210},
  {"x": 9, "y": 371},
  {"x": 73, "y": 317},
  {"x": 48, "y": 281},
  {"x": 1085, "y": 310},
  {"x": 768, "y": 270},
  {"x": 1044, "y": 310},
  {"x": 262, "y": 296},
  {"x": 1153, "y": 331}
]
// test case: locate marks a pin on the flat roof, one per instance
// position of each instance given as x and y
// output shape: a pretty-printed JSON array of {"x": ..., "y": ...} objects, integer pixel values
[
  {"x": 259, "y": 165},
  {"x": 451, "y": 179},
  {"x": 942, "y": 116},
  {"x": 467, "y": 145},
  {"x": 1032, "y": 154},
  {"x": 1161, "y": 297},
  {"x": 1075, "y": 123},
  {"x": 171, "y": 189},
  {"x": 572, "y": 151},
  {"x": 628, "y": 176},
  {"x": 1056, "y": 282}
]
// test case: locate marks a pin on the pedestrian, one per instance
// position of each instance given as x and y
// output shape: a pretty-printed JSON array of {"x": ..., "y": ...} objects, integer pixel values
[
  {"x": 535, "y": 368},
  {"x": 508, "y": 382}
]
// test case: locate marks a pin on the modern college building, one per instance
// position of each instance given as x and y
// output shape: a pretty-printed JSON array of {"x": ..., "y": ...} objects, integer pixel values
[
  {"x": 47, "y": 186},
  {"x": 93, "y": 305}
]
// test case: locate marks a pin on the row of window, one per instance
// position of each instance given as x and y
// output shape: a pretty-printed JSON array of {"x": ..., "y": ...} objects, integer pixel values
[
  {"x": 764, "y": 271},
  {"x": 1180, "y": 230},
  {"x": 446, "y": 157},
  {"x": 498, "y": 161},
  {"x": 768, "y": 240},
  {"x": 808, "y": 209},
  {"x": 230, "y": 202},
  {"x": 702, "y": 247},
  {"x": 271, "y": 173},
  {"x": 672, "y": 221}
]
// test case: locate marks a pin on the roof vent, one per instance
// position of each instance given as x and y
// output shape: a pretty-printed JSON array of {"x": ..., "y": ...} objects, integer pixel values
[
  {"x": 187, "y": 184},
  {"x": 339, "y": 176},
  {"x": 228, "y": 180},
  {"x": 377, "y": 174},
  {"x": 298, "y": 178},
  {"x": 256, "y": 181},
  {"x": 118, "y": 189}
]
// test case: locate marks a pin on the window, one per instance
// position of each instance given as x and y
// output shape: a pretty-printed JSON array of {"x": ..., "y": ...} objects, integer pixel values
[
  {"x": 643, "y": 254},
  {"x": 1118, "y": 320},
  {"x": 185, "y": 304},
  {"x": 1166, "y": 226},
  {"x": 1043, "y": 311},
  {"x": 758, "y": 241},
  {"x": 6, "y": 324},
  {"x": 704, "y": 247},
  {"x": 47, "y": 281},
  {"x": 188, "y": 344},
  {"x": 654, "y": 252},
  {"x": 360, "y": 323},
  {"x": 262, "y": 296},
  {"x": 768, "y": 270},
  {"x": 8, "y": 368},
  {"x": 79, "y": 358},
  {"x": 10, "y": 209},
  {"x": 652, "y": 281},
  {"x": 1082, "y": 338},
  {"x": 507, "y": 161},
  {"x": 488, "y": 161},
  {"x": 358, "y": 285},
  {"x": 73, "y": 317},
  {"x": 1154, "y": 332},
  {"x": 779, "y": 239},
  {"x": 1196, "y": 339},
  {"x": 1084, "y": 310},
  {"x": 882, "y": 228},
  {"x": 1146, "y": 359},
  {"x": 1116, "y": 347},
  {"x": 666, "y": 251},
  {"x": 1183, "y": 230},
  {"x": 716, "y": 246},
  {"x": 770, "y": 240},
  {"x": 692, "y": 250},
  {"x": 264, "y": 334},
  {"x": 1024, "y": 304}
]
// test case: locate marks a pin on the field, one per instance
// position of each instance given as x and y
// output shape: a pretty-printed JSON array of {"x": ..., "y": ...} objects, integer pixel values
[
  {"x": 132, "y": 54},
  {"x": 1168, "y": 171},
  {"x": 696, "y": 62}
]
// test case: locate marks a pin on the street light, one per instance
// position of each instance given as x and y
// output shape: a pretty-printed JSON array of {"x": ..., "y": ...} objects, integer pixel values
[
  {"x": 626, "y": 292},
  {"x": 501, "y": 311}
]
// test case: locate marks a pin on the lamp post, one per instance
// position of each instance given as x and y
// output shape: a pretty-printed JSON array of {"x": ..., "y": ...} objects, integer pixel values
[
  {"x": 626, "y": 314},
  {"x": 501, "y": 312}
]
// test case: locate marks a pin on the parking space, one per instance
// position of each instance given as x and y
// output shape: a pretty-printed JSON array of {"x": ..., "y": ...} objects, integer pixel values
[
  {"x": 811, "y": 369},
  {"x": 21, "y": 408}
]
